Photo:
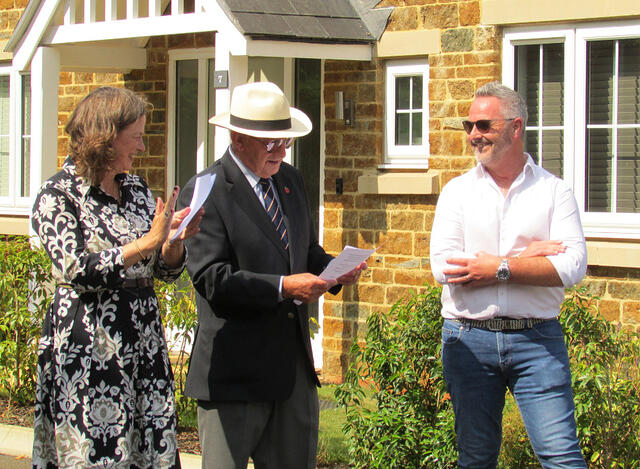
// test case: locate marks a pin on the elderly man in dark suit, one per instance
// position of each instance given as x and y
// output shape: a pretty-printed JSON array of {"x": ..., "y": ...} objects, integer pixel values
[{"x": 254, "y": 266}]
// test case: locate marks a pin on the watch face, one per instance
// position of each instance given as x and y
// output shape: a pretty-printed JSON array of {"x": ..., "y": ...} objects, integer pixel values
[{"x": 503, "y": 273}]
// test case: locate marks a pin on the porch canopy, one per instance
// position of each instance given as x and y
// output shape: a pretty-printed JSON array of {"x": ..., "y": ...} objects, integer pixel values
[{"x": 110, "y": 36}]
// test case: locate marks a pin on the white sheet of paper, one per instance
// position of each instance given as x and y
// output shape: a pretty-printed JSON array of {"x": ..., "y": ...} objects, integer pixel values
[
  {"x": 201, "y": 191},
  {"x": 350, "y": 258}
]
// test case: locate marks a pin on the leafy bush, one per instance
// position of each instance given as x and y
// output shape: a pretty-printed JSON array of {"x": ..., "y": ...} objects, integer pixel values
[
  {"x": 24, "y": 297},
  {"x": 176, "y": 302},
  {"x": 605, "y": 363},
  {"x": 409, "y": 423},
  {"x": 397, "y": 410}
]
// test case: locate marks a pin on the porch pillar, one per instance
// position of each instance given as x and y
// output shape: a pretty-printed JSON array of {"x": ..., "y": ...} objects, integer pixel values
[
  {"x": 237, "y": 66},
  {"x": 45, "y": 77}
]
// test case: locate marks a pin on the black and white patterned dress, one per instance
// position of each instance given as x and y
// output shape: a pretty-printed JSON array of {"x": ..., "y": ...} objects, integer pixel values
[{"x": 105, "y": 395}]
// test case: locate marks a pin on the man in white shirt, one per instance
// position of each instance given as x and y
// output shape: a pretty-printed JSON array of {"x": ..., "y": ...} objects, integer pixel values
[{"x": 506, "y": 241}]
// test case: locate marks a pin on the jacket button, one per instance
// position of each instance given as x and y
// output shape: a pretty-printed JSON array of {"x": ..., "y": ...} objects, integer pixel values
[{"x": 290, "y": 315}]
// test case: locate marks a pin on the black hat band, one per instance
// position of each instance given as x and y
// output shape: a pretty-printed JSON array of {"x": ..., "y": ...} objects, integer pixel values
[{"x": 280, "y": 124}]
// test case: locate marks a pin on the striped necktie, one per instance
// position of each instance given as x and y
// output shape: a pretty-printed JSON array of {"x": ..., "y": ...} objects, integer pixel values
[{"x": 273, "y": 210}]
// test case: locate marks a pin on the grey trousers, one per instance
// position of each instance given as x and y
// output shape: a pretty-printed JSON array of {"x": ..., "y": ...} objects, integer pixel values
[{"x": 276, "y": 435}]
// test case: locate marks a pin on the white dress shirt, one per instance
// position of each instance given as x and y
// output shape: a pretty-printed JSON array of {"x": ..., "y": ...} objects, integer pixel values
[{"x": 473, "y": 215}]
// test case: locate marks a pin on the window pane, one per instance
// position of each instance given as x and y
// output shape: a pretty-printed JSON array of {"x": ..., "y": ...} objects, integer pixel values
[
  {"x": 402, "y": 129},
  {"x": 528, "y": 78},
  {"x": 553, "y": 151},
  {"x": 186, "y": 119},
  {"x": 4, "y": 136},
  {"x": 417, "y": 93},
  {"x": 403, "y": 91},
  {"x": 543, "y": 92},
  {"x": 629, "y": 82},
  {"x": 600, "y": 65},
  {"x": 416, "y": 129},
  {"x": 553, "y": 84},
  {"x": 599, "y": 151},
  {"x": 531, "y": 144},
  {"x": 26, "y": 135},
  {"x": 628, "y": 183}
]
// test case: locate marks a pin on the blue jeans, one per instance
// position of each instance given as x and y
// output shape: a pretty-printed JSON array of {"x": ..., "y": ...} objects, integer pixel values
[{"x": 533, "y": 363}]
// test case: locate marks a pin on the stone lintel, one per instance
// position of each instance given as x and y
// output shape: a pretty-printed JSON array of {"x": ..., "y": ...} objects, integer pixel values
[{"x": 399, "y": 183}]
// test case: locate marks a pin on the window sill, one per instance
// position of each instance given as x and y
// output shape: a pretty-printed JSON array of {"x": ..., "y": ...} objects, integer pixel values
[
  {"x": 14, "y": 225},
  {"x": 423, "y": 183},
  {"x": 613, "y": 253}
]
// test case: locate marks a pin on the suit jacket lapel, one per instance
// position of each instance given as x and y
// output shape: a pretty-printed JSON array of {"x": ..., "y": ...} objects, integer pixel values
[{"x": 244, "y": 195}]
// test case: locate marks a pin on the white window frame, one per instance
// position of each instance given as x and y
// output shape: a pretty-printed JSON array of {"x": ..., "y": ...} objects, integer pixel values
[
  {"x": 405, "y": 156},
  {"x": 14, "y": 204},
  {"x": 595, "y": 224},
  {"x": 202, "y": 55}
]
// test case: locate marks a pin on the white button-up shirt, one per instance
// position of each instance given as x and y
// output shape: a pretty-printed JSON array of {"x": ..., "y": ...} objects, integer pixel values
[{"x": 473, "y": 215}]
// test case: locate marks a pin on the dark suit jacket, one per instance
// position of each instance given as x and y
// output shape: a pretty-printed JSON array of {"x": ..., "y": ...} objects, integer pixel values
[{"x": 246, "y": 341}]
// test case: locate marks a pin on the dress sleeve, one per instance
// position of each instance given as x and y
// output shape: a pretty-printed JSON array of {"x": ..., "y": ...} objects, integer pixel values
[
  {"x": 165, "y": 273},
  {"x": 84, "y": 262}
]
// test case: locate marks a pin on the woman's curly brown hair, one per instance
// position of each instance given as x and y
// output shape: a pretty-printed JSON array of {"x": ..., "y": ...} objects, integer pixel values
[{"x": 93, "y": 127}]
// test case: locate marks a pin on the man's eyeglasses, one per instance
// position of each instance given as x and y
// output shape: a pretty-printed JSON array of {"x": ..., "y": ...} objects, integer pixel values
[
  {"x": 273, "y": 145},
  {"x": 483, "y": 125}
]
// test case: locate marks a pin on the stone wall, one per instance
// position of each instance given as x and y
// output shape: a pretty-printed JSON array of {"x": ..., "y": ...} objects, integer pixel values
[
  {"x": 10, "y": 11},
  {"x": 470, "y": 56}
]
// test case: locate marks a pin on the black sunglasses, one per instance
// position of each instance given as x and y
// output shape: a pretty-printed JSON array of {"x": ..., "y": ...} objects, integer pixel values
[{"x": 483, "y": 125}]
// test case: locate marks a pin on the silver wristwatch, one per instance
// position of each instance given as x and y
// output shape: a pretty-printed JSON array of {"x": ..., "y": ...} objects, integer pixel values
[{"x": 503, "y": 273}]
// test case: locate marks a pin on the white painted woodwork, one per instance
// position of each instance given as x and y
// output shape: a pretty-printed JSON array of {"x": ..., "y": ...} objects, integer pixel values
[
  {"x": 70, "y": 12},
  {"x": 110, "y": 10},
  {"x": 45, "y": 73},
  {"x": 89, "y": 11},
  {"x": 34, "y": 35},
  {"x": 155, "y": 7},
  {"x": 102, "y": 58},
  {"x": 266, "y": 48},
  {"x": 177, "y": 7},
  {"x": 133, "y": 9},
  {"x": 132, "y": 28}
]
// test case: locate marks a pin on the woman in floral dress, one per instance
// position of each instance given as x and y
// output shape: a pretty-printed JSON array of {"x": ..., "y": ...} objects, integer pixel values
[{"x": 105, "y": 395}]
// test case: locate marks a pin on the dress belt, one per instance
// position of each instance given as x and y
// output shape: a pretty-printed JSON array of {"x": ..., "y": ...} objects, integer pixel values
[
  {"x": 137, "y": 283},
  {"x": 503, "y": 324}
]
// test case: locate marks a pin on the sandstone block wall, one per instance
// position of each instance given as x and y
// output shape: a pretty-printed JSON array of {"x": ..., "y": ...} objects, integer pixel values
[{"x": 470, "y": 56}]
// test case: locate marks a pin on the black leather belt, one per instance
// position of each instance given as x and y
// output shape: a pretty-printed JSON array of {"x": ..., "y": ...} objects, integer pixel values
[
  {"x": 137, "y": 283},
  {"x": 502, "y": 324}
]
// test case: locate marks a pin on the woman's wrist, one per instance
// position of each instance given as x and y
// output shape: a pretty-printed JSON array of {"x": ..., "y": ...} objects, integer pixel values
[
  {"x": 173, "y": 246},
  {"x": 140, "y": 252}
]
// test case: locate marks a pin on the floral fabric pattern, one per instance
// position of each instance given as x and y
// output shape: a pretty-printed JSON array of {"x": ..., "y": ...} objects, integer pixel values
[{"x": 105, "y": 395}]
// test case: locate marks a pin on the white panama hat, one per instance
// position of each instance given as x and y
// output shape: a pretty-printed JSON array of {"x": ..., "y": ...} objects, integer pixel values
[{"x": 261, "y": 109}]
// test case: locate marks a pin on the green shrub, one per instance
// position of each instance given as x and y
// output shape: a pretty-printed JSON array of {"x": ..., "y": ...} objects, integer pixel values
[
  {"x": 410, "y": 424},
  {"x": 605, "y": 363},
  {"x": 24, "y": 297},
  {"x": 177, "y": 304}
]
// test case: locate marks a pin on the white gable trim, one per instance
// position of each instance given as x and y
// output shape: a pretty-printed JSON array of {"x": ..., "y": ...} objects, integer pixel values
[
  {"x": 31, "y": 39},
  {"x": 132, "y": 28}
]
